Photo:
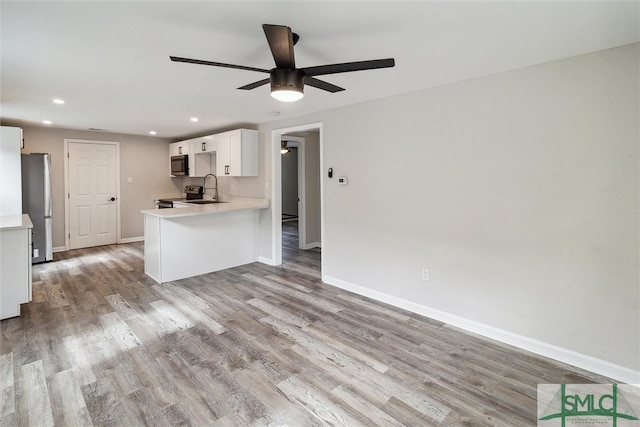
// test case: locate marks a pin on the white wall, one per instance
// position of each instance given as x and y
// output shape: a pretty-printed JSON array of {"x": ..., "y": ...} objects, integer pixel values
[{"x": 518, "y": 191}]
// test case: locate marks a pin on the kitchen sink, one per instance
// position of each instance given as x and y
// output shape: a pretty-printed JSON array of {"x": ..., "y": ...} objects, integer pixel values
[{"x": 203, "y": 202}]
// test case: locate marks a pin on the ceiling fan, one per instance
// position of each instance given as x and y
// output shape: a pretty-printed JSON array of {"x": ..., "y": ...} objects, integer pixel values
[{"x": 287, "y": 81}]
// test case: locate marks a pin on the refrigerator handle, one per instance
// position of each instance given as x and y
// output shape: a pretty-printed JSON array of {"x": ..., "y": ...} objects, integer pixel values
[
  {"x": 47, "y": 185},
  {"x": 48, "y": 230}
]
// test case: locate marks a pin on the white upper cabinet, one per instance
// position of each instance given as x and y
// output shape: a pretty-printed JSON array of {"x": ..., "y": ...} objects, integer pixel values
[
  {"x": 180, "y": 148},
  {"x": 204, "y": 144},
  {"x": 233, "y": 153},
  {"x": 204, "y": 156},
  {"x": 237, "y": 153}
]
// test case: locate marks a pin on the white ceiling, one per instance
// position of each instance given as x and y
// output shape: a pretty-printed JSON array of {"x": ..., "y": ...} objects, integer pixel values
[{"x": 110, "y": 62}]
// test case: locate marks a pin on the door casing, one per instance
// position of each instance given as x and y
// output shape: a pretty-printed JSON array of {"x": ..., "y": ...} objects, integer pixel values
[{"x": 276, "y": 188}]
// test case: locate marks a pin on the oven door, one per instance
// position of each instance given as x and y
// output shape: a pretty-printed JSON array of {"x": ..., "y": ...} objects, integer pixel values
[{"x": 180, "y": 165}]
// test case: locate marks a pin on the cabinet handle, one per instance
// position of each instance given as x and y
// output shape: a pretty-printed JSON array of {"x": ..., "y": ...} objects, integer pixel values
[{"x": 204, "y": 146}]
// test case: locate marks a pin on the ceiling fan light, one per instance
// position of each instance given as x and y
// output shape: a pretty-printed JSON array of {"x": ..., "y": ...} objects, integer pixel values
[
  {"x": 284, "y": 148},
  {"x": 287, "y": 85},
  {"x": 287, "y": 94}
]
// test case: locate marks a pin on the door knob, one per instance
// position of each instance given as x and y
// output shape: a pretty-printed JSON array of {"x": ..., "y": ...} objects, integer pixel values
[{"x": 113, "y": 199}]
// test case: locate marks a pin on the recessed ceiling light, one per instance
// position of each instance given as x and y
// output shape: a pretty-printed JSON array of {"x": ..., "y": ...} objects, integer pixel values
[
  {"x": 46, "y": 122},
  {"x": 194, "y": 119},
  {"x": 58, "y": 101},
  {"x": 152, "y": 132}
]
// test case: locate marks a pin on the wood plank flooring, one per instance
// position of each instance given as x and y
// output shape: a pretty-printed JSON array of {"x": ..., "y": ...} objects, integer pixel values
[{"x": 102, "y": 344}]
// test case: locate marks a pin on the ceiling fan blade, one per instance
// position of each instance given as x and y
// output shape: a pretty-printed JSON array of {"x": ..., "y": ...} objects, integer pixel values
[
  {"x": 216, "y": 64},
  {"x": 255, "y": 84},
  {"x": 311, "y": 81},
  {"x": 347, "y": 67},
  {"x": 280, "y": 41}
]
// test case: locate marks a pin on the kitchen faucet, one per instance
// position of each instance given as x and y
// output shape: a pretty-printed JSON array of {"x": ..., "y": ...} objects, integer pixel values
[{"x": 204, "y": 185}]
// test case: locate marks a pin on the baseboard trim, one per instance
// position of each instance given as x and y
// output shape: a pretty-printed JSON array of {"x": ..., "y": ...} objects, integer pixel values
[
  {"x": 592, "y": 364},
  {"x": 311, "y": 245},
  {"x": 132, "y": 239},
  {"x": 126, "y": 240},
  {"x": 265, "y": 260}
]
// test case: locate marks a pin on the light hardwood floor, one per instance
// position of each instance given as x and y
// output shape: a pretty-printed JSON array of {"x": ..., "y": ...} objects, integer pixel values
[{"x": 102, "y": 344}]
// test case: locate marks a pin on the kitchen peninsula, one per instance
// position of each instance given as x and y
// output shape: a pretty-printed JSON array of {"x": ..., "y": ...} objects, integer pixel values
[{"x": 186, "y": 242}]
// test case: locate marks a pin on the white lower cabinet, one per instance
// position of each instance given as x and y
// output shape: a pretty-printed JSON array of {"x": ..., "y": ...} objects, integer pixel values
[
  {"x": 15, "y": 264},
  {"x": 204, "y": 240}
]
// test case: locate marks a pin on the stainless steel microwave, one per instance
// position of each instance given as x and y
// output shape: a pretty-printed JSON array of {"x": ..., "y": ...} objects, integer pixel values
[{"x": 180, "y": 165}]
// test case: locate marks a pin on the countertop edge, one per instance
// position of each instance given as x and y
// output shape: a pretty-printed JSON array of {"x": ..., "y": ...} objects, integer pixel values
[
  {"x": 218, "y": 208},
  {"x": 15, "y": 222}
]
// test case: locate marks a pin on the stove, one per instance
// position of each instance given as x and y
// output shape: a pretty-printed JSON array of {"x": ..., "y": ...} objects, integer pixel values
[{"x": 193, "y": 192}]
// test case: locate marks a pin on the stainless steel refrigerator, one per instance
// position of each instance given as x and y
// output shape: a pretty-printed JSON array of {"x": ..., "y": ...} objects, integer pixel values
[{"x": 36, "y": 201}]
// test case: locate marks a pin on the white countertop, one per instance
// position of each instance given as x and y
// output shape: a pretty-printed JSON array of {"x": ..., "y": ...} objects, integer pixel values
[
  {"x": 13, "y": 222},
  {"x": 236, "y": 204},
  {"x": 169, "y": 196}
]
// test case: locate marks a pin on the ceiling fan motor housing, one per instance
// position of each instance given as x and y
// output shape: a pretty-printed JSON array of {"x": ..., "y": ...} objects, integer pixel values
[{"x": 285, "y": 79}]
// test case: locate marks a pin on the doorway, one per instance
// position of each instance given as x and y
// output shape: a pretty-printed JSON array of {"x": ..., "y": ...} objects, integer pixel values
[
  {"x": 301, "y": 186},
  {"x": 303, "y": 171},
  {"x": 92, "y": 212},
  {"x": 290, "y": 173}
]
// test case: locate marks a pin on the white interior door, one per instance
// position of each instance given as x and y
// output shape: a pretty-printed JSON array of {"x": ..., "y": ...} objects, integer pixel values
[{"x": 92, "y": 194}]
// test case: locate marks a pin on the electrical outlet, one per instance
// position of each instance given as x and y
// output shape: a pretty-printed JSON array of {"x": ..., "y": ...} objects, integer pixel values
[{"x": 425, "y": 274}]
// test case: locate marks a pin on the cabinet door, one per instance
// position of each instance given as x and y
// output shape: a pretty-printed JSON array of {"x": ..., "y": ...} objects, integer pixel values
[
  {"x": 203, "y": 149},
  {"x": 237, "y": 153},
  {"x": 222, "y": 154},
  {"x": 182, "y": 148},
  {"x": 15, "y": 271},
  {"x": 205, "y": 144},
  {"x": 174, "y": 148},
  {"x": 243, "y": 154}
]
